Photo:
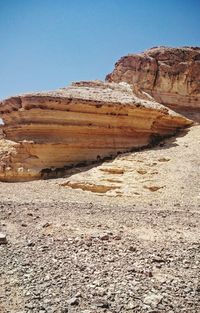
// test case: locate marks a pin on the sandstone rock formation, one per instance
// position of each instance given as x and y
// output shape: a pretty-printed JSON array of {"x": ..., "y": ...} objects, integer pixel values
[
  {"x": 46, "y": 131},
  {"x": 170, "y": 75}
]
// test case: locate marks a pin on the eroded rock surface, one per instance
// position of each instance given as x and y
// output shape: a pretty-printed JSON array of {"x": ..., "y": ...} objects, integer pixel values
[
  {"x": 169, "y": 75},
  {"x": 46, "y": 131}
]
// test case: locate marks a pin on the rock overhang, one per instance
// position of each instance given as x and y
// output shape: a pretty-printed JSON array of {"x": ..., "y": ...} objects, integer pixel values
[{"x": 84, "y": 122}]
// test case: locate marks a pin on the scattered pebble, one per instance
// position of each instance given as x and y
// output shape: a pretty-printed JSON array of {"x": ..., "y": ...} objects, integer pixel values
[{"x": 3, "y": 239}]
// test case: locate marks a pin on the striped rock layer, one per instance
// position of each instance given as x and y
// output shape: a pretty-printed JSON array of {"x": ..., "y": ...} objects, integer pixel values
[{"x": 87, "y": 121}]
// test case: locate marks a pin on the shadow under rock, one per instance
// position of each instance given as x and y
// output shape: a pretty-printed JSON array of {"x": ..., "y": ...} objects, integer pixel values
[
  {"x": 170, "y": 142},
  {"x": 157, "y": 143}
]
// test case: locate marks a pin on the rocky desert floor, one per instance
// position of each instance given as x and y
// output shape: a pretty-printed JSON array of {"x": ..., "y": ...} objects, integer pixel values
[{"x": 122, "y": 236}]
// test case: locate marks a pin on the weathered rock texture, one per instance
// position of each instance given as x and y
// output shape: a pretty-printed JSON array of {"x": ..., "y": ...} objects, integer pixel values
[
  {"x": 87, "y": 121},
  {"x": 170, "y": 75},
  {"x": 148, "y": 175}
]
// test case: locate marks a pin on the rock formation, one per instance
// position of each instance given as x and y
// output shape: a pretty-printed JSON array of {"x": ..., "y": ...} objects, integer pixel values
[
  {"x": 169, "y": 75},
  {"x": 46, "y": 131}
]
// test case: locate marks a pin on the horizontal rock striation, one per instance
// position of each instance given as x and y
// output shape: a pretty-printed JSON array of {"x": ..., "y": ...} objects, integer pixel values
[
  {"x": 170, "y": 75},
  {"x": 88, "y": 121}
]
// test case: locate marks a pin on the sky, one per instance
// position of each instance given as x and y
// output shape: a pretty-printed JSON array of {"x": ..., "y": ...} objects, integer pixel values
[{"x": 47, "y": 44}]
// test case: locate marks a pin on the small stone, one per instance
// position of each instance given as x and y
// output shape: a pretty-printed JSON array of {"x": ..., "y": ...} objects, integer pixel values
[
  {"x": 132, "y": 249},
  {"x": 46, "y": 225},
  {"x": 148, "y": 273},
  {"x": 3, "y": 239},
  {"x": 163, "y": 159},
  {"x": 29, "y": 305},
  {"x": 30, "y": 243},
  {"x": 131, "y": 305},
  {"x": 117, "y": 237},
  {"x": 153, "y": 300},
  {"x": 73, "y": 301},
  {"x": 157, "y": 259},
  {"x": 131, "y": 269},
  {"x": 78, "y": 295},
  {"x": 104, "y": 237},
  {"x": 102, "y": 304},
  {"x": 36, "y": 217}
]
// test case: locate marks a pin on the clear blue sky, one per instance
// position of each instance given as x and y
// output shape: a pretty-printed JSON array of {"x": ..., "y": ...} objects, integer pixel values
[{"x": 46, "y": 44}]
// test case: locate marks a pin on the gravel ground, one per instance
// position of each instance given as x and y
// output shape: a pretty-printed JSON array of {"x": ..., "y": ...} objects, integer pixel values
[
  {"x": 86, "y": 258},
  {"x": 73, "y": 251}
]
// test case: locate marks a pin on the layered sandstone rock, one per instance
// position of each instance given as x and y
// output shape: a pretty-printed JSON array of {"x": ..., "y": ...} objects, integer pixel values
[
  {"x": 44, "y": 132},
  {"x": 170, "y": 75}
]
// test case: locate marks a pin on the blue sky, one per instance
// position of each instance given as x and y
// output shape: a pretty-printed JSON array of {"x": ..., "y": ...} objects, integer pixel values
[{"x": 46, "y": 44}]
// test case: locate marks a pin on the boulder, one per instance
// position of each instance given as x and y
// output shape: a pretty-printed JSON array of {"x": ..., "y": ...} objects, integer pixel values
[{"x": 46, "y": 132}]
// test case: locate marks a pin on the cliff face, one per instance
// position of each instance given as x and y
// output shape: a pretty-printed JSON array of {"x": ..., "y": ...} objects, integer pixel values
[
  {"x": 169, "y": 75},
  {"x": 87, "y": 121}
]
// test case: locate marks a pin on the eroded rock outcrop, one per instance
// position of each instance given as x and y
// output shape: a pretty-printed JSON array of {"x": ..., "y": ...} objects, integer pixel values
[
  {"x": 170, "y": 75},
  {"x": 87, "y": 121}
]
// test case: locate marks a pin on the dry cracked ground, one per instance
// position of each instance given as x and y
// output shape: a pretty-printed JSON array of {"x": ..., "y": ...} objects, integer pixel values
[{"x": 75, "y": 245}]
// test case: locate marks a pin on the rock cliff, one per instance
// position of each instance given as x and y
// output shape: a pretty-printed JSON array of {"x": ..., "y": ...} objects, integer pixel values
[
  {"x": 88, "y": 121},
  {"x": 169, "y": 75}
]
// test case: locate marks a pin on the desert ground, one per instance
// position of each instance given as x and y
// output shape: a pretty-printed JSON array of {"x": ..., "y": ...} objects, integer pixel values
[{"x": 73, "y": 246}]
